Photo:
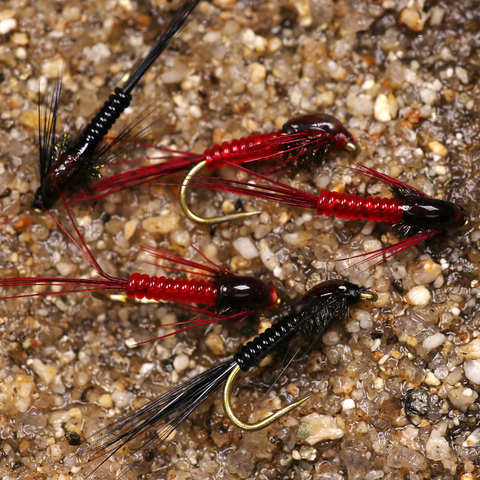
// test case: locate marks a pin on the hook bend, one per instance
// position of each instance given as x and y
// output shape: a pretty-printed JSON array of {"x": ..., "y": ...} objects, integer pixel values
[
  {"x": 192, "y": 216},
  {"x": 227, "y": 405}
]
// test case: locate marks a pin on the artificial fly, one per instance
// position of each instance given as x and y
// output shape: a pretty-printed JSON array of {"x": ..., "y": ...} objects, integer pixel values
[
  {"x": 66, "y": 163},
  {"x": 223, "y": 295},
  {"x": 153, "y": 423},
  {"x": 415, "y": 216},
  {"x": 307, "y": 137}
]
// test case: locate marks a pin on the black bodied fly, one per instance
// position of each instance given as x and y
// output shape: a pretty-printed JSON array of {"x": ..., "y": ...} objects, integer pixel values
[
  {"x": 66, "y": 163},
  {"x": 152, "y": 424}
]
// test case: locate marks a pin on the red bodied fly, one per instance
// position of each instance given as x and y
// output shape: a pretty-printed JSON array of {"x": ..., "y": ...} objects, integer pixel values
[{"x": 307, "y": 137}]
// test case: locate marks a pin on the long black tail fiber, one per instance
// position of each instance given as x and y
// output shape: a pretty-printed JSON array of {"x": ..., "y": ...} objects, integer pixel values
[
  {"x": 173, "y": 407},
  {"x": 173, "y": 28}
]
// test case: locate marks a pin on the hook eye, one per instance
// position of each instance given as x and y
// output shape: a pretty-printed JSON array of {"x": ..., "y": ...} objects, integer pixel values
[{"x": 192, "y": 216}]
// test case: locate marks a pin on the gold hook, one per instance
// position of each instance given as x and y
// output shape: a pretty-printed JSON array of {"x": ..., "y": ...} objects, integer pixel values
[
  {"x": 188, "y": 212},
  {"x": 353, "y": 148},
  {"x": 227, "y": 393}
]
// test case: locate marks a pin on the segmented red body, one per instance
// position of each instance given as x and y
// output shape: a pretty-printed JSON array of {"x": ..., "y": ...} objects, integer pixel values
[
  {"x": 203, "y": 292},
  {"x": 351, "y": 206},
  {"x": 243, "y": 149}
]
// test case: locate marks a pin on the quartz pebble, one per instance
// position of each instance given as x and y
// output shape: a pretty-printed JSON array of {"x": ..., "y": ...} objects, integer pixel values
[
  {"x": 426, "y": 272},
  {"x": 121, "y": 398},
  {"x": 472, "y": 370},
  {"x": 470, "y": 350},
  {"x": 418, "y": 296},
  {"x": 246, "y": 248},
  {"x": 437, "y": 447},
  {"x": 321, "y": 427},
  {"x": 433, "y": 341},
  {"x": 462, "y": 397},
  {"x": 406, "y": 458},
  {"x": 162, "y": 224}
]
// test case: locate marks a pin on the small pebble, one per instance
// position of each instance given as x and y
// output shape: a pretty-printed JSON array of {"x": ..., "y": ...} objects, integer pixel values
[
  {"x": 472, "y": 370},
  {"x": 462, "y": 397},
  {"x": 121, "y": 398},
  {"x": 426, "y": 272},
  {"x": 214, "y": 343},
  {"x": 418, "y": 296},
  {"x": 412, "y": 19},
  {"x": 165, "y": 223},
  {"x": 105, "y": 401},
  {"x": 7, "y": 25},
  {"x": 437, "y": 447},
  {"x": 245, "y": 247},
  {"x": 180, "y": 363},
  {"x": 470, "y": 350},
  {"x": 322, "y": 427},
  {"x": 437, "y": 148},
  {"x": 433, "y": 341},
  {"x": 382, "y": 109},
  {"x": 406, "y": 458}
]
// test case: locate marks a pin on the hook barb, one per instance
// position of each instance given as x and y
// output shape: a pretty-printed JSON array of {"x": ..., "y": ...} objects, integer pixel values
[
  {"x": 192, "y": 216},
  {"x": 227, "y": 405}
]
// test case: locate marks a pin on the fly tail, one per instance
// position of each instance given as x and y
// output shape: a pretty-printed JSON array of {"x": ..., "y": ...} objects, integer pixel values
[{"x": 151, "y": 425}]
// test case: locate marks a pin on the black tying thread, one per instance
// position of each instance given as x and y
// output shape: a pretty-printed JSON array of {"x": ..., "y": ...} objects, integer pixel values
[{"x": 261, "y": 346}]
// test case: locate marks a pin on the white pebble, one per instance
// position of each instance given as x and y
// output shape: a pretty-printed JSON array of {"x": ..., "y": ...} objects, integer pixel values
[
  {"x": 7, "y": 25},
  {"x": 180, "y": 363},
  {"x": 433, "y": 341},
  {"x": 418, "y": 296},
  {"x": 321, "y": 427},
  {"x": 348, "y": 404},
  {"x": 437, "y": 447},
  {"x": 66, "y": 269},
  {"x": 473, "y": 440},
  {"x": 462, "y": 397},
  {"x": 331, "y": 338},
  {"x": 121, "y": 398},
  {"x": 371, "y": 245},
  {"x": 246, "y": 248},
  {"x": 46, "y": 372},
  {"x": 364, "y": 317},
  {"x": 461, "y": 74},
  {"x": 381, "y": 109},
  {"x": 268, "y": 258},
  {"x": 472, "y": 370}
]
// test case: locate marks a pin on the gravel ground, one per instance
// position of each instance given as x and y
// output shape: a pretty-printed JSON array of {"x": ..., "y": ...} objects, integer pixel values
[{"x": 395, "y": 389}]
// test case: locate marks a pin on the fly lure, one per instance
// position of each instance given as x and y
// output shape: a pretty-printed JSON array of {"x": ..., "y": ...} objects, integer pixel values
[
  {"x": 303, "y": 137},
  {"x": 223, "y": 294},
  {"x": 310, "y": 317},
  {"x": 65, "y": 164},
  {"x": 415, "y": 216}
]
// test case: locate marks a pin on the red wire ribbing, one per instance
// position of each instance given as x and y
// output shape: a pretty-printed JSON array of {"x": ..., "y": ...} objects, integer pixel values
[
  {"x": 203, "y": 292},
  {"x": 243, "y": 149},
  {"x": 351, "y": 206}
]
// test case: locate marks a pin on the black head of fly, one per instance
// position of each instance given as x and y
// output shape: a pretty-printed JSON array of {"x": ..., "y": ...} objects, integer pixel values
[
  {"x": 422, "y": 214},
  {"x": 82, "y": 157},
  {"x": 319, "y": 134}
]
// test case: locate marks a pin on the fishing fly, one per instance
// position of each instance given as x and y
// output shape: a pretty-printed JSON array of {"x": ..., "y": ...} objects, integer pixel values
[
  {"x": 222, "y": 294},
  {"x": 306, "y": 137},
  {"x": 153, "y": 423},
  {"x": 67, "y": 163},
  {"x": 415, "y": 216}
]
